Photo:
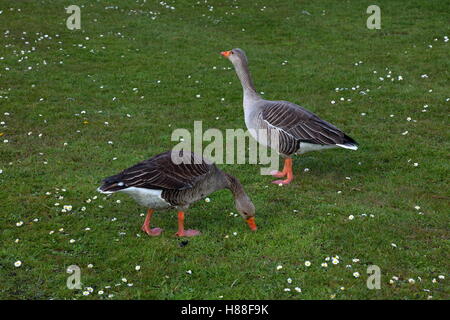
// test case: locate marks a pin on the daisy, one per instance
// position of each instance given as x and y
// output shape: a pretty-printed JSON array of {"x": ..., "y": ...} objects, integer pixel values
[
  {"x": 356, "y": 274},
  {"x": 17, "y": 264},
  {"x": 307, "y": 263}
]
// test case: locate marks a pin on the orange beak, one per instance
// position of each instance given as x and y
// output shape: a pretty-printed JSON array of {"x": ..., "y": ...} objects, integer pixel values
[
  {"x": 251, "y": 223},
  {"x": 226, "y": 54}
]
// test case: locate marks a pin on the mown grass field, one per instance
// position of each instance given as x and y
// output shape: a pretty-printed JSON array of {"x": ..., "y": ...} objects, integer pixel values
[{"x": 129, "y": 79}]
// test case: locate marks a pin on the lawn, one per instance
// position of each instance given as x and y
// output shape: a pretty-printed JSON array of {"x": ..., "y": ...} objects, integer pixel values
[{"x": 77, "y": 106}]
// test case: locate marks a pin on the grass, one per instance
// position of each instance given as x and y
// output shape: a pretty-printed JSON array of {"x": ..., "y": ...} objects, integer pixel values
[{"x": 306, "y": 221}]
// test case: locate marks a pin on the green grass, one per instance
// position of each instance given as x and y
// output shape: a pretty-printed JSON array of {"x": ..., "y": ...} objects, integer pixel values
[{"x": 136, "y": 51}]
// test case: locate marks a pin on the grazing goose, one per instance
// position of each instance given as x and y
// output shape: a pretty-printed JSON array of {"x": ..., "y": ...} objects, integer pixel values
[
  {"x": 158, "y": 184},
  {"x": 299, "y": 130}
]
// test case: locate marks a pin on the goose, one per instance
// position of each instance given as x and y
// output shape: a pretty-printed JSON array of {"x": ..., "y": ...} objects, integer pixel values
[
  {"x": 299, "y": 130},
  {"x": 160, "y": 183}
]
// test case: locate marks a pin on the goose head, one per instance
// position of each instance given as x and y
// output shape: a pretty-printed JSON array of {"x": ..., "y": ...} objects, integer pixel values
[
  {"x": 246, "y": 209},
  {"x": 236, "y": 56}
]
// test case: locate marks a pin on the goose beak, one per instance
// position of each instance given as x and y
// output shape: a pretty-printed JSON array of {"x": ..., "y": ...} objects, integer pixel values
[
  {"x": 226, "y": 54},
  {"x": 251, "y": 223}
]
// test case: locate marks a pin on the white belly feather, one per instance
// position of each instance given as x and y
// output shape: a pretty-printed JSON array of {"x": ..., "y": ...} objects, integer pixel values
[
  {"x": 307, "y": 147},
  {"x": 150, "y": 198}
]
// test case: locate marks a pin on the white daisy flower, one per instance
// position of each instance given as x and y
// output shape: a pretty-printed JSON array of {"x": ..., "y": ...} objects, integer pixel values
[
  {"x": 307, "y": 263},
  {"x": 356, "y": 274},
  {"x": 17, "y": 264}
]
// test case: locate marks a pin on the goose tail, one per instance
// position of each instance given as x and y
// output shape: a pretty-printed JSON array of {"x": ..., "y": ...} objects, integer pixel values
[
  {"x": 348, "y": 143},
  {"x": 112, "y": 184}
]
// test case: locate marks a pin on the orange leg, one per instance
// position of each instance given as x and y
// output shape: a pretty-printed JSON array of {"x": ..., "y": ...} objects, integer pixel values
[
  {"x": 287, "y": 171},
  {"x": 146, "y": 226},
  {"x": 184, "y": 233}
]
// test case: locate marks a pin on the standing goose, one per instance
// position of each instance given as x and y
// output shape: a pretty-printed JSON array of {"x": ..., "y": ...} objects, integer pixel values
[
  {"x": 159, "y": 183},
  {"x": 299, "y": 130}
]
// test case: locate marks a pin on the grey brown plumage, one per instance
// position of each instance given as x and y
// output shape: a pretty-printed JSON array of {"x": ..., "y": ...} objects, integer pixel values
[
  {"x": 160, "y": 172},
  {"x": 297, "y": 127},
  {"x": 160, "y": 183}
]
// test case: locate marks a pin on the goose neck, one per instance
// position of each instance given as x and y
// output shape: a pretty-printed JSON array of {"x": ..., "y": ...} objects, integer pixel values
[{"x": 244, "y": 76}]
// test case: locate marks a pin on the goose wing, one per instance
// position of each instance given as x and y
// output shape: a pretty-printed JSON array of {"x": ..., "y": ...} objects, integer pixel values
[
  {"x": 160, "y": 172},
  {"x": 296, "y": 124}
]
